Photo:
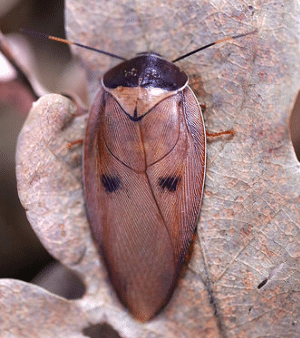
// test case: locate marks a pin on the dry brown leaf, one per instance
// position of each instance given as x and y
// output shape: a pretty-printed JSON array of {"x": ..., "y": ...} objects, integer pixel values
[{"x": 243, "y": 280}]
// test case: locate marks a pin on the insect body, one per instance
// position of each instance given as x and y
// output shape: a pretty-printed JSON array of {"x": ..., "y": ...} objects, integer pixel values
[
  {"x": 144, "y": 166},
  {"x": 144, "y": 169}
]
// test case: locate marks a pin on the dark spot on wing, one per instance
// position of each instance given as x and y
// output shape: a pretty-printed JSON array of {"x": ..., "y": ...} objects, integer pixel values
[
  {"x": 110, "y": 183},
  {"x": 170, "y": 183}
]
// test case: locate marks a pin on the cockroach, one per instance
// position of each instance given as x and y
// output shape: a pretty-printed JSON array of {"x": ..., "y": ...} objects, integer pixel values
[{"x": 144, "y": 170}]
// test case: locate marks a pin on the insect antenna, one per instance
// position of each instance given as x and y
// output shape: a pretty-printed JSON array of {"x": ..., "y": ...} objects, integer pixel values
[
  {"x": 211, "y": 44},
  {"x": 26, "y": 31}
]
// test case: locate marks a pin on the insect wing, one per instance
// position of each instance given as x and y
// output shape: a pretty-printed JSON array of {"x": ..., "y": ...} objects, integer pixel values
[{"x": 143, "y": 187}]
